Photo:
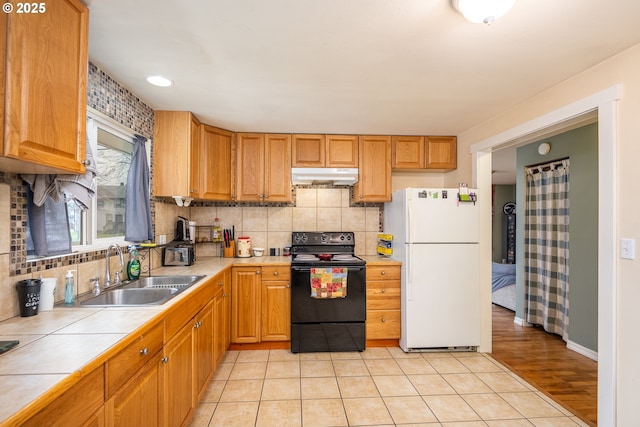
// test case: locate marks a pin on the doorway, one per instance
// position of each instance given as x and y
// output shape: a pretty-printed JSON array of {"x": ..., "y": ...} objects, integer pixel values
[{"x": 604, "y": 105}]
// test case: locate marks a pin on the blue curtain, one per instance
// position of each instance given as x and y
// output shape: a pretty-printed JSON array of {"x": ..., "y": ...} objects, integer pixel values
[
  {"x": 48, "y": 231},
  {"x": 137, "y": 220}
]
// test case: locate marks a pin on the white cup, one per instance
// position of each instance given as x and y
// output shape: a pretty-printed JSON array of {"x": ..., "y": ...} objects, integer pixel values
[{"x": 47, "y": 294}]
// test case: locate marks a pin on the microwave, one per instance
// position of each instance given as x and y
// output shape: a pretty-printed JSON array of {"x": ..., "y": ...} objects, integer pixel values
[{"x": 182, "y": 254}]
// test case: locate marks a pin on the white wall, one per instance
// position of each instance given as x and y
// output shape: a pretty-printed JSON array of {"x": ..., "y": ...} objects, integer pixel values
[{"x": 623, "y": 70}]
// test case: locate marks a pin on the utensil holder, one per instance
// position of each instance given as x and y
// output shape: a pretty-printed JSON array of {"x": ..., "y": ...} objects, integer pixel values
[{"x": 230, "y": 252}]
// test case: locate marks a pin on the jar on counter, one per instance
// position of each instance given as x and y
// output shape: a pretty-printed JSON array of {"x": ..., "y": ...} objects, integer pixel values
[{"x": 244, "y": 247}]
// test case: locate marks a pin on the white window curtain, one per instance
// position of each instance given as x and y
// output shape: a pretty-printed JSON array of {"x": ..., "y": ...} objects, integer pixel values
[{"x": 546, "y": 241}]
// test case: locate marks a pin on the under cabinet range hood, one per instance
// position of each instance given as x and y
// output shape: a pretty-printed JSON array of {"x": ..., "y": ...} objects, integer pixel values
[{"x": 335, "y": 176}]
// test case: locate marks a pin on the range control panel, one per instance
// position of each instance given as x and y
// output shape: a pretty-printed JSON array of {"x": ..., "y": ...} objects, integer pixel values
[{"x": 303, "y": 238}]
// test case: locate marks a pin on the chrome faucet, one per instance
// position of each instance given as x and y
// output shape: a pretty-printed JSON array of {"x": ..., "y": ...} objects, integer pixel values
[{"x": 107, "y": 275}]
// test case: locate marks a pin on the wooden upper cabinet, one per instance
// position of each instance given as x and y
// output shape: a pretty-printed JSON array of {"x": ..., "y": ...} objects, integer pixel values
[
  {"x": 319, "y": 151},
  {"x": 250, "y": 166},
  {"x": 374, "y": 170},
  {"x": 217, "y": 164},
  {"x": 341, "y": 151},
  {"x": 43, "y": 76},
  {"x": 176, "y": 147},
  {"x": 308, "y": 151},
  {"x": 263, "y": 167},
  {"x": 277, "y": 168},
  {"x": 408, "y": 152},
  {"x": 442, "y": 152}
]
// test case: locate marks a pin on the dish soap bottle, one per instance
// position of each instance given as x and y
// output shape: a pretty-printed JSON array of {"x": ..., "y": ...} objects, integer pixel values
[
  {"x": 133, "y": 266},
  {"x": 69, "y": 291}
]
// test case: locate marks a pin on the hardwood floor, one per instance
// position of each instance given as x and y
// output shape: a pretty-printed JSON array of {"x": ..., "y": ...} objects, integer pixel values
[{"x": 543, "y": 360}]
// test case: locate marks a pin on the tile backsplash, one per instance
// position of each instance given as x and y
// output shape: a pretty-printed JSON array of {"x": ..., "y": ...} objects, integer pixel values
[{"x": 316, "y": 209}]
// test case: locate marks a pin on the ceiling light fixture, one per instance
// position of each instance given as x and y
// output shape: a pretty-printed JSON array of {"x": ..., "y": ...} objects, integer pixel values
[
  {"x": 159, "y": 81},
  {"x": 482, "y": 11}
]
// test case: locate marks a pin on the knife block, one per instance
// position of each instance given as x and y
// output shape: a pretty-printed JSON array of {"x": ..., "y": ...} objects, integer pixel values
[{"x": 230, "y": 252}]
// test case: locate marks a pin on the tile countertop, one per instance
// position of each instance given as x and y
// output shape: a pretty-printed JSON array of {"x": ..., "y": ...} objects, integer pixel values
[{"x": 66, "y": 340}]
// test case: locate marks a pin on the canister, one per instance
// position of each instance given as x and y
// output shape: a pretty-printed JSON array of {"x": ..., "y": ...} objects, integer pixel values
[
  {"x": 47, "y": 294},
  {"x": 244, "y": 247}
]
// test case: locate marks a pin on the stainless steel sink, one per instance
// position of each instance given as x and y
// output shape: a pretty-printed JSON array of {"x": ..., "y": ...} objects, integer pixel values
[
  {"x": 154, "y": 290},
  {"x": 159, "y": 282},
  {"x": 123, "y": 297}
]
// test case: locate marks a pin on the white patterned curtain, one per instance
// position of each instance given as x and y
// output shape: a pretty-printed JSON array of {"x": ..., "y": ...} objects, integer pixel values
[{"x": 546, "y": 241}]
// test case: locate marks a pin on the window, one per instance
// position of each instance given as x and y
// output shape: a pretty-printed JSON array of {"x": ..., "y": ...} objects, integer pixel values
[{"x": 103, "y": 223}]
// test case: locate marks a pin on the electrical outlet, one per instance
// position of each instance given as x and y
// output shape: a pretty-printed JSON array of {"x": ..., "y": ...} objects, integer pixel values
[{"x": 627, "y": 248}]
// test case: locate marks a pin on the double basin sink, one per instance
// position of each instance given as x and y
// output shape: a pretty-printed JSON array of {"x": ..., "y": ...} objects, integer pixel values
[{"x": 153, "y": 290}]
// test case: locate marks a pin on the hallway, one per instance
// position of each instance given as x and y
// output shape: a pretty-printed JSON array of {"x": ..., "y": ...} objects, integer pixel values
[{"x": 543, "y": 360}]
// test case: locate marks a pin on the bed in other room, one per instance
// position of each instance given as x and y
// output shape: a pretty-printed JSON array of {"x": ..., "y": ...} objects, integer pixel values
[{"x": 503, "y": 285}]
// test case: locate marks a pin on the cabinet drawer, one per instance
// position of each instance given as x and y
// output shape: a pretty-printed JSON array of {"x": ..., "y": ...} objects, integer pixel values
[
  {"x": 383, "y": 294},
  {"x": 383, "y": 324},
  {"x": 276, "y": 273},
  {"x": 126, "y": 363},
  {"x": 383, "y": 272}
]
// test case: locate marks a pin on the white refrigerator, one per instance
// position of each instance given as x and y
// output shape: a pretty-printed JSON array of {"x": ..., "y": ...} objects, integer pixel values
[{"x": 435, "y": 236}]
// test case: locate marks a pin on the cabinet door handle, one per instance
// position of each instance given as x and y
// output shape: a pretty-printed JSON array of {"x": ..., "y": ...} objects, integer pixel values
[
  {"x": 288, "y": 286},
  {"x": 144, "y": 351},
  {"x": 257, "y": 271},
  {"x": 165, "y": 359},
  {"x": 221, "y": 284},
  {"x": 224, "y": 295}
]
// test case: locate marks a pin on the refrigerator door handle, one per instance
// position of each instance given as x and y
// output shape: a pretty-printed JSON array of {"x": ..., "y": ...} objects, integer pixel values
[
  {"x": 409, "y": 275},
  {"x": 408, "y": 236}
]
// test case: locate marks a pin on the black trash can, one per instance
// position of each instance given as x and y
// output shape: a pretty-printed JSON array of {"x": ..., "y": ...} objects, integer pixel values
[{"x": 28, "y": 296}]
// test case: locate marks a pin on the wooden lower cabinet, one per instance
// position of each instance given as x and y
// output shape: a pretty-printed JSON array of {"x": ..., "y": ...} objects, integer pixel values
[
  {"x": 81, "y": 405},
  {"x": 383, "y": 302},
  {"x": 245, "y": 304},
  {"x": 177, "y": 378},
  {"x": 276, "y": 304},
  {"x": 221, "y": 315},
  {"x": 203, "y": 351},
  {"x": 137, "y": 404}
]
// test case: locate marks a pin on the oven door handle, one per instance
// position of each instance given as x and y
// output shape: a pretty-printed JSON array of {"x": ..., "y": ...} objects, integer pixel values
[{"x": 351, "y": 268}]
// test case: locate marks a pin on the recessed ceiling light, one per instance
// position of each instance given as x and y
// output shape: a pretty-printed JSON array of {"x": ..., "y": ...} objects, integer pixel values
[{"x": 159, "y": 81}]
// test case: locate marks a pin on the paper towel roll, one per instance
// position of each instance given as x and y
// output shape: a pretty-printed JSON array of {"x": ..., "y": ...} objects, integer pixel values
[{"x": 47, "y": 294}]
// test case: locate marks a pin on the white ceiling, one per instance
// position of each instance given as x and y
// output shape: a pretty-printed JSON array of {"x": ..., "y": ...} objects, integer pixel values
[{"x": 350, "y": 66}]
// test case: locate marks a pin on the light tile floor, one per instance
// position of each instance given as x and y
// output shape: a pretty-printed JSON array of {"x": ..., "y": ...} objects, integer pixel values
[{"x": 378, "y": 387}]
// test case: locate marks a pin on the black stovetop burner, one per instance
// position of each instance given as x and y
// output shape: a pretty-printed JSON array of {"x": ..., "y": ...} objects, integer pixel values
[{"x": 330, "y": 248}]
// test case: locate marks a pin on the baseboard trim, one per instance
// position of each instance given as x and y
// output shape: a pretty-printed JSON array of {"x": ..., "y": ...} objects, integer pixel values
[
  {"x": 520, "y": 322},
  {"x": 587, "y": 352}
]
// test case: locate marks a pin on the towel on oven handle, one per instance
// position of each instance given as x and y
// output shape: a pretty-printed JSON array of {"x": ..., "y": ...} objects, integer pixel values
[{"x": 329, "y": 282}]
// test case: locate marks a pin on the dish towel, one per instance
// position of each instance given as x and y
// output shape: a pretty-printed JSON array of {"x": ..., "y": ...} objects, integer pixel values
[
  {"x": 81, "y": 187},
  {"x": 329, "y": 282}
]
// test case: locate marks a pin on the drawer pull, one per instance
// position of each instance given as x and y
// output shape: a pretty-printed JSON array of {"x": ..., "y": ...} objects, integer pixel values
[
  {"x": 165, "y": 359},
  {"x": 288, "y": 286},
  {"x": 383, "y": 320},
  {"x": 383, "y": 290},
  {"x": 144, "y": 351},
  {"x": 275, "y": 273},
  {"x": 257, "y": 271},
  {"x": 382, "y": 273}
]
